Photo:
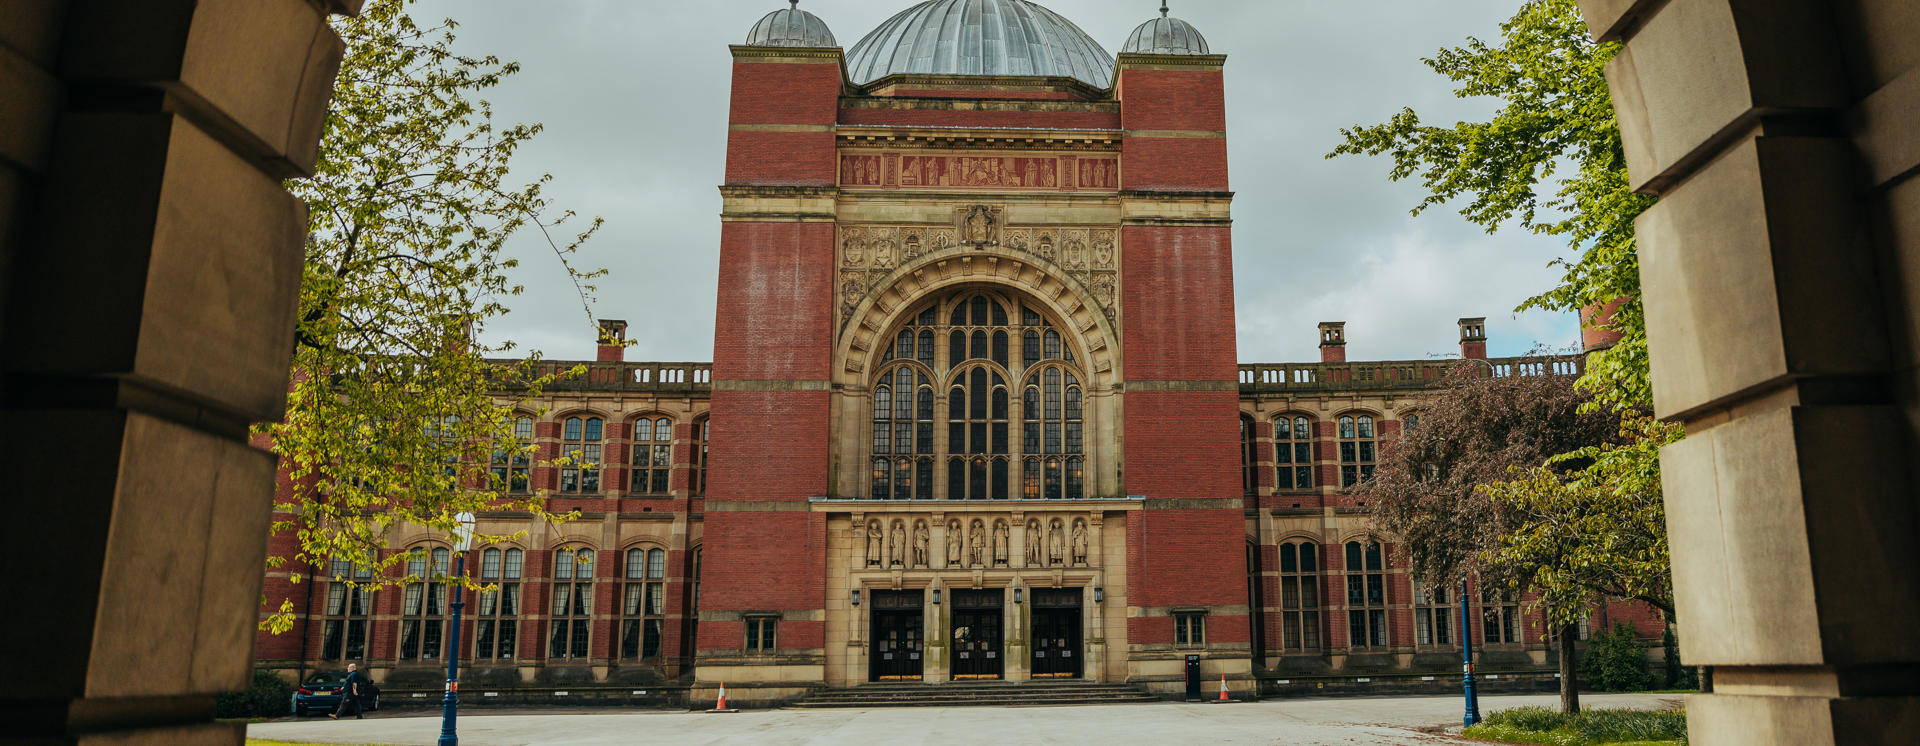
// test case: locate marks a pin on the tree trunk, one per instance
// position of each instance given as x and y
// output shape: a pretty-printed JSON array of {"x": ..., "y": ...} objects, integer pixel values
[{"x": 1569, "y": 672}]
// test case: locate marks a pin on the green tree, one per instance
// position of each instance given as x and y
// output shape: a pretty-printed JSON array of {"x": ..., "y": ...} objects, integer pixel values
[
  {"x": 396, "y": 413},
  {"x": 1556, "y": 115}
]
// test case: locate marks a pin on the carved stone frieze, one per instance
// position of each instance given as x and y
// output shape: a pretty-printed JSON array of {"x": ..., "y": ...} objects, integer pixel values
[{"x": 869, "y": 254}]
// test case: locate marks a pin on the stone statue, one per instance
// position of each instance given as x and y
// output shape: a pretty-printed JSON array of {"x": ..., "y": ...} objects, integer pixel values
[
  {"x": 874, "y": 538},
  {"x": 1080, "y": 543},
  {"x": 953, "y": 543},
  {"x": 921, "y": 537},
  {"x": 898, "y": 542},
  {"x": 976, "y": 545},
  {"x": 1033, "y": 544},
  {"x": 1056, "y": 544},
  {"x": 999, "y": 544}
]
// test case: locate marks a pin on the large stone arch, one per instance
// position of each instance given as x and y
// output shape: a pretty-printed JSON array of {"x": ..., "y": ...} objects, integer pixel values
[{"x": 1070, "y": 302}]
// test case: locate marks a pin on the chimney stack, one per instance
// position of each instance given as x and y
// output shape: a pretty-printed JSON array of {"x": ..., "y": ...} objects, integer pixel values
[
  {"x": 613, "y": 341},
  {"x": 1596, "y": 326},
  {"x": 1333, "y": 341},
  {"x": 1473, "y": 338}
]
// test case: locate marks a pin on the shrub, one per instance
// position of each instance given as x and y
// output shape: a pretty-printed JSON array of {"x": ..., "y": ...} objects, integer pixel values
[
  {"x": 1528, "y": 718},
  {"x": 1608, "y": 726},
  {"x": 1678, "y": 676},
  {"x": 1539, "y": 725},
  {"x": 1615, "y": 662},
  {"x": 268, "y": 697}
]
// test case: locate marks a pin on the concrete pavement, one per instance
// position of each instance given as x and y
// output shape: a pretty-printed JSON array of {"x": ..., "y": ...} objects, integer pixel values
[{"x": 1354, "y": 721}]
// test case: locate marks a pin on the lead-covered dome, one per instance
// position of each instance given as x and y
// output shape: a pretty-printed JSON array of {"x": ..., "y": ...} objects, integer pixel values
[
  {"x": 980, "y": 37},
  {"x": 792, "y": 27},
  {"x": 1165, "y": 35}
]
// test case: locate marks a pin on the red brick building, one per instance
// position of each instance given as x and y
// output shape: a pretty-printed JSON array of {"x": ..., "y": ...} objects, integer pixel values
[{"x": 974, "y": 411}]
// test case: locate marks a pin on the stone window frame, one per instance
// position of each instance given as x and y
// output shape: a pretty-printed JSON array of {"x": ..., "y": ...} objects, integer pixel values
[
  {"x": 1499, "y": 613},
  {"x": 569, "y": 605},
  {"x": 643, "y": 601},
  {"x": 1359, "y": 446},
  {"x": 1435, "y": 612},
  {"x": 1301, "y": 619},
  {"x": 578, "y": 478},
  {"x": 497, "y": 610},
  {"x": 1369, "y": 615},
  {"x": 907, "y": 475},
  {"x": 1189, "y": 628},
  {"x": 423, "y": 614},
  {"x": 346, "y": 608},
  {"x": 761, "y": 633},
  {"x": 513, "y": 472},
  {"x": 652, "y": 477},
  {"x": 1289, "y": 472}
]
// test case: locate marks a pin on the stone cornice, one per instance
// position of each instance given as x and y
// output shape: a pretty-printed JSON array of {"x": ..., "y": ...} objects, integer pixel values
[
  {"x": 1137, "y": 61},
  {"x": 788, "y": 55},
  {"x": 1000, "y": 138}
]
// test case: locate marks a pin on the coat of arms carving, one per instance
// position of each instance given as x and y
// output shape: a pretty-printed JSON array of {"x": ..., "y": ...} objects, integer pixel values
[{"x": 980, "y": 226}]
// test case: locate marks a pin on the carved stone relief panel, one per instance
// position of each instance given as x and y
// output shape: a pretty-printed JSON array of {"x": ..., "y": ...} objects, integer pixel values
[
  {"x": 868, "y": 254},
  {"x": 907, "y": 540}
]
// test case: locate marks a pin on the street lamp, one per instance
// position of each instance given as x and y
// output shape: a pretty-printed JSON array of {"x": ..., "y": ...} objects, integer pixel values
[
  {"x": 1466, "y": 658},
  {"x": 450, "y": 704}
]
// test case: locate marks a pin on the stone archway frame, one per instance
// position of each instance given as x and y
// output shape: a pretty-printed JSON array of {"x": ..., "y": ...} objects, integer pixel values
[{"x": 1067, "y": 299}]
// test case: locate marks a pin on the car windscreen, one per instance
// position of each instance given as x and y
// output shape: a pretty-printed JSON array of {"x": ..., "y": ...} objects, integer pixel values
[{"x": 328, "y": 678}]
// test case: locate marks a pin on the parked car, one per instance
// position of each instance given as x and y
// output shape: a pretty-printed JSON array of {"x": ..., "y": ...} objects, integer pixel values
[{"x": 321, "y": 693}]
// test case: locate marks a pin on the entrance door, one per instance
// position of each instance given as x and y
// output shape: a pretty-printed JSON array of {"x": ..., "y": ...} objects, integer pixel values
[
  {"x": 897, "y": 630},
  {"x": 1056, "y": 633},
  {"x": 976, "y": 634}
]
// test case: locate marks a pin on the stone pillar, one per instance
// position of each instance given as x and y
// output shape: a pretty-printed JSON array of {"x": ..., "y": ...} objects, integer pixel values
[
  {"x": 1780, "y": 272},
  {"x": 149, "y": 262}
]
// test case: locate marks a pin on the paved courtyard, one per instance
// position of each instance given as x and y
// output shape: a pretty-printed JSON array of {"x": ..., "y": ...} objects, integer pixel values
[{"x": 1357, "y": 721}]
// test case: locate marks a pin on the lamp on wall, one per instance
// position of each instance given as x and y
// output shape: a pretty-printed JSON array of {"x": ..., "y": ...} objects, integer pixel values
[
  {"x": 1099, "y": 595},
  {"x": 856, "y": 597},
  {"x": 1018, "y": 596},
  {"x": 936, "y": 596}
]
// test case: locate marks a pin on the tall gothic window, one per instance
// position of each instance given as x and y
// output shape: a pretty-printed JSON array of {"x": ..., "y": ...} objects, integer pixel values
[
  {"x": 1249, "y": 457},
  {"x": 1293, "y": 453},
  {"x": 497, "y": 630},
  {"x": 1432, "y": 615},
  {"x": 643, "y": 607},
  {"x": 423, "y": 608},
  {"x": 944, "y": 416},
  {"x": 1366, "y": 595},
  {"x": 580, "y": 444},
  {"x": 511, "y": 464},
  {"x": 652, "y": 458},
  {"x": 572, "y": 602},
  {"x": 697, "y": 484},
  {"x": 1300, "y": 596},
  {"x": 344, "y": 631},
  {"x": 1356, "y": 449}
]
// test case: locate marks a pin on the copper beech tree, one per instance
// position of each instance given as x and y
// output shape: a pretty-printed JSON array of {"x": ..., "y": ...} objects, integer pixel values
[{"x": 1429, "y": 489}]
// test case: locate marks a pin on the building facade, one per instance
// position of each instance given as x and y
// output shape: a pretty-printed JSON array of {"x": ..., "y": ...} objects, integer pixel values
[{"x": 974, "y": 412}]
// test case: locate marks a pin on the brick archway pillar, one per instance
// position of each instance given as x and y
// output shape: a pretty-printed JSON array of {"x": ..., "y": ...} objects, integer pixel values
[
  {"x": 149, "y": 263},
  {"x": 1781, "y": 272}
]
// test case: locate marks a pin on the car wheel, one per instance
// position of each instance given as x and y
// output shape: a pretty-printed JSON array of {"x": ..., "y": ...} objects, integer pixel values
[{"x": 376, "y": 704}]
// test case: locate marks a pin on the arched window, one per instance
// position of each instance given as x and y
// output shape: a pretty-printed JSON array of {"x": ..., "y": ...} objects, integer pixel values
[
  {"x": 903, "y": 444},
  {"x": 1003, "y": 364},
  {"x": 643, "y": 608},
  {"x": 580, "y": 444},
  {"x": 1499, "y": 616},
  {"x": 1432, "y": 615},
  {"x": 652, "y": 458},
  {"x": 1249, "y": 457},
  {"x": 1409, "y": 421},
  {"x": 572, "y": 602},
  {"x": 423, "y": 610},
  {"x": 496, "y": 631},
  {"x": 512, "y": 465},
  {"x": 344, "y": 631},
  {"x": 1293, "y": 453},
  {"x": 1300, "y": 596},
  {"x": 1356, "y": 449},
  {"x": 698, "y": 482},
  {"x": 1366, "y": 595}
]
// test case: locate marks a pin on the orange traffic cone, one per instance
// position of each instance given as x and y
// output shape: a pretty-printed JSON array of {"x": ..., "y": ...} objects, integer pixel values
[
  {"x": 722, "y": 704},
  {"x": 1223, "y": 688}
]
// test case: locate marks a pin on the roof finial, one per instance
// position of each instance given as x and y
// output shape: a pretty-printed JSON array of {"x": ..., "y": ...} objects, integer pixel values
[
  {"x": 794, "y": 3},
  {"x": 1163, "y": 8}
]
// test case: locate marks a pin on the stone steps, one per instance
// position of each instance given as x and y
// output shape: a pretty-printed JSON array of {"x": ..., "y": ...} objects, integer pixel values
[{"x": 976, "y": 694}]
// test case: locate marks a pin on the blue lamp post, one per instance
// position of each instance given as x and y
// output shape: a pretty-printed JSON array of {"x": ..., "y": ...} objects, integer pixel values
[
  {"x": 450, "y": 704},
  {"x": 1466, "y": 658}
]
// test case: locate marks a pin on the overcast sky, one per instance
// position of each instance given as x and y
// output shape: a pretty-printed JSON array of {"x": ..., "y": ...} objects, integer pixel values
[{"x": 633, "y": 94}]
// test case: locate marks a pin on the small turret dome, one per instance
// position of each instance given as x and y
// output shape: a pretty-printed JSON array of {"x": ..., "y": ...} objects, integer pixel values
[
  {"x": 1165, "y": 35},
  {"x": 792, "y": 27}
]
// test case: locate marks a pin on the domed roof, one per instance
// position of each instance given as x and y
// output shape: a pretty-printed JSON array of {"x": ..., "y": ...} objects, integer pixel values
[
  {"x": 792, "y": 27},
  {"x": 1165, "y": 35},
  {"x": 980, "y": 37}
]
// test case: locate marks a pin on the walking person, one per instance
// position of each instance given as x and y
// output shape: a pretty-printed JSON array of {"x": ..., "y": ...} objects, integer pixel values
[{"x": 350, "y": 693}]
